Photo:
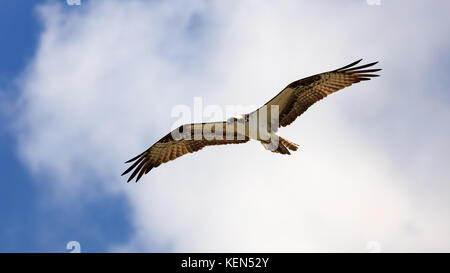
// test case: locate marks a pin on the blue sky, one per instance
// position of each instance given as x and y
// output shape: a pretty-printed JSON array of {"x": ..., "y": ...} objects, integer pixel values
[
  {"x": 27, "y": 224},
  {"x": 84, "y": 88}
]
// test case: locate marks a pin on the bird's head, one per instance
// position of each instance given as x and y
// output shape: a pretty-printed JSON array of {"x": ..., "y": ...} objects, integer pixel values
[{"x": 238, "y": 119}]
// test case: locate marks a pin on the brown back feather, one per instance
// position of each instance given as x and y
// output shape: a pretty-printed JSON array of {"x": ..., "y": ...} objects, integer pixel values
[
  {"x": 168, "y": 148},
  {"x": 299, "y": 95}
]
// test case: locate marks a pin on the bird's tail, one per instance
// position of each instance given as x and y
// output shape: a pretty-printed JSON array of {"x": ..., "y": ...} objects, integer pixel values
[
  {"x": 282, "y": 146},
  {"x": 290, "y": 145}
]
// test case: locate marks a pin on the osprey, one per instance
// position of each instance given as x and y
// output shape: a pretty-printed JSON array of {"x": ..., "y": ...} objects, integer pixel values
[{"x": 260, "y": 125}]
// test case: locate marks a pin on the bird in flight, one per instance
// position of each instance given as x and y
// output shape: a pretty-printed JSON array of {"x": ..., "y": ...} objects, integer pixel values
[{"x": 260, "y": 125}]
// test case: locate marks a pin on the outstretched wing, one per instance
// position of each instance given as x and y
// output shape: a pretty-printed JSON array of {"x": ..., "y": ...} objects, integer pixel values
[
  {"x": 185, "y": 139},
  {"x": 298, "y": 96}
]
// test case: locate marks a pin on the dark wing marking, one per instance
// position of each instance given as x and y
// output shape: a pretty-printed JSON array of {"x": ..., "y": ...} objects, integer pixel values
[
  {"x": 174, "y": 145},
  {"x": 298, "y": 96}
]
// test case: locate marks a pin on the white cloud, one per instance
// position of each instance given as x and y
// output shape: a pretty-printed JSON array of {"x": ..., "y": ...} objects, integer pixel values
[{"x": 105, "y": 78}]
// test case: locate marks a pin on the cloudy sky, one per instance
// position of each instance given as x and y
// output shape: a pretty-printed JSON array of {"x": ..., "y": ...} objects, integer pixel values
[{"x": 84, "y": 88}]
